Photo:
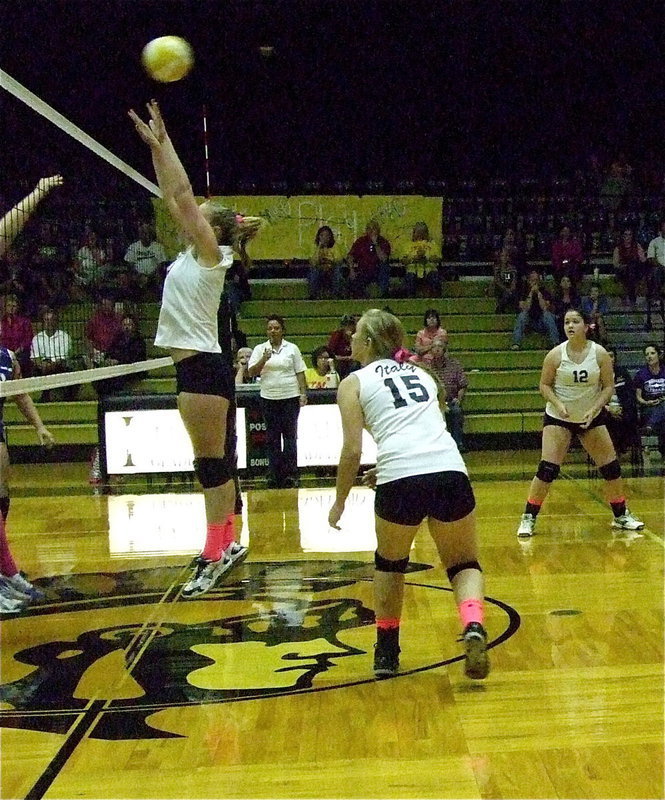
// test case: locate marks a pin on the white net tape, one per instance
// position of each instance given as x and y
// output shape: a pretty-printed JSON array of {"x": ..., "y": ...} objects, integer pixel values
[{"x": 30, "y": 385}]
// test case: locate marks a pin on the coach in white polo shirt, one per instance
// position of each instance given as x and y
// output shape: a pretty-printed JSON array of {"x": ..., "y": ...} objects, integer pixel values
[{"x": 281, "y": 368}]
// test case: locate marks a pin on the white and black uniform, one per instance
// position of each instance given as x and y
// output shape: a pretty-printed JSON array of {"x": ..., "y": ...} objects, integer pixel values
[
  {"x": 577, "y": 386},
  {"x": 188, "y": 321},
  {"x": 420, "y": 471},
  {"x": 188, "y": 316}
]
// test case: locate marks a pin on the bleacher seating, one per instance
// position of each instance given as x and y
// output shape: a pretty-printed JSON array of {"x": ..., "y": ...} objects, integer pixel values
[{"x": 503, "y": 393}]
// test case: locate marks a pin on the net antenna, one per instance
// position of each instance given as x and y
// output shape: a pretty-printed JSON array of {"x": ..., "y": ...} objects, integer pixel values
[
  {"x": 37, "y": 104},
  {"x": 205, "y": 149}
]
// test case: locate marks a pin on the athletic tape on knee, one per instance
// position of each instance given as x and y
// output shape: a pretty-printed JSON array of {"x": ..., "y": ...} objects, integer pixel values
[
  {"x": 547, "y": 471},
  {"x": 212, "y": 472},
  {"x": 452, "y": 571},
  {"x": 386, "y": 565},
  {"x": 611, "y": 471}
]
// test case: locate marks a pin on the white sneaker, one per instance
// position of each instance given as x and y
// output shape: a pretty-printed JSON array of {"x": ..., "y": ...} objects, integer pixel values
[
  {"x": 206, "y": 576},
  {"x": 23, "y": 585},
  {"x": 9, "y": 590},
  {"x": 527, "y": 524},
  {"x": 236, "y": 552},
  {"x": 9, "y": 605},
  {"x": 627, "y": 522}
]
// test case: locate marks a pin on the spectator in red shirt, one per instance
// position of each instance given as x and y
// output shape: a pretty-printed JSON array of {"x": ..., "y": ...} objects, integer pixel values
[
  {"x": 369, "y": 261},
  {"x": 339, "y": 346},
  {"x": 16, "y": 334},
  {"x": 567, "y": 257},
  {"x": 100, "y": 331}
]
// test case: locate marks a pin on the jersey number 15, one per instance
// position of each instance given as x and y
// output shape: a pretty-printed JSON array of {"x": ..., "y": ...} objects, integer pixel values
[{"x": 414, "y": 388}]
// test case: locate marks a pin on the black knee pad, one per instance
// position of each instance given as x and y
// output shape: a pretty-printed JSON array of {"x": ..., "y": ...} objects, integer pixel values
[
  {"x": 611, "y": 471},
  {"x": 452, "y": 571},
  {"x": 213, "y": 472},
  {"x": 547, "y": 471},
  {"x": 386, "y": 565}
]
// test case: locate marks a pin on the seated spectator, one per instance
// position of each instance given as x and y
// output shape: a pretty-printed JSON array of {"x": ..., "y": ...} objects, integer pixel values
[
  {"x": 565, "y": 297},
  {"x": 622, "y": 407},
  {"x": 504, "y": 284},
  {"x": 240, "y": 366},
  {"x": 629, "y": 264},
  {"x": 127, "y": 347},
  {"x": 51, "y": 354},
  {"x": 100, "y": 331},
  {"x": 49, "y": 260},
  {"x": 322, "y": 374},
  {"x": 90, "y": 265},
  {"x": 451, "y": 374},
  {"x": 369, "y": 261},
  {"x": 615, "y": 186},
  {"x": 339, "y": 346},
  {"x": 16, "y": 334},
  {"x": 567, "y": 256},
  {"x": 512, "y": 247},
  {"x": 535, "y": 313},
  {"x": 595, "y": 305},
  {"x": 147, "y": 259},
  {"x": 11, "y": 275},
  {"x": 431, "y": 333},
  {"x": 649, "y": 382},
  {"x": 324, "y": 264},
  {"x": 655, "y": 277},
  {"x": 421, "y": 259}
]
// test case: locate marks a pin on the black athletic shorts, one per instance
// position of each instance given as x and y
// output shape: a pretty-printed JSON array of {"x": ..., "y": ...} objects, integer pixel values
[
  {"x": 575, "y": 427},
  {"x": 446, "y": 496},
  {"x": 205, "y": 373}
]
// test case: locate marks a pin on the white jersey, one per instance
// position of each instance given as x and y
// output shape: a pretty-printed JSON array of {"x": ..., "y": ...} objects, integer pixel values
[
  {"x": 403, "y": 416},
  {"x": 190, "y": 300},
  {"x": 576, "y": 385}
]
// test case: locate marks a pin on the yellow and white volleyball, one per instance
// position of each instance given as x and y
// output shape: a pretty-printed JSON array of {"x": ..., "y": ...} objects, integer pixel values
[{"x": 168, "y": 58}]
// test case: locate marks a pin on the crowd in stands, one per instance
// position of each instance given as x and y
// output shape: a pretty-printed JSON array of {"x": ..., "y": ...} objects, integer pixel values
[{"x": 538, "y": 242}]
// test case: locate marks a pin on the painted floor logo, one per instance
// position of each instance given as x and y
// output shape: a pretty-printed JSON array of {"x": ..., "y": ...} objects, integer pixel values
[{"x": 272, "y": 629}]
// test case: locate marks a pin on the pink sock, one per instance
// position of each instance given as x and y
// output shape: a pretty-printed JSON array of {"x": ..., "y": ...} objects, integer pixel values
[
  {"x": 471, "y": 611},
  {"x": 7, "y": 563},
  {"x": 214, "y": 546}
]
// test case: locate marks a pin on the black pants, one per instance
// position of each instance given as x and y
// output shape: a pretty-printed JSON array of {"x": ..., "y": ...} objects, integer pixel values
[{"x": 281, "y": 418}]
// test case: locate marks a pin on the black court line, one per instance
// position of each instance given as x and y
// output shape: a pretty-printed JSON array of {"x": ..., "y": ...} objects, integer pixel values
[
  {"x": 87, "y": 720},
  {"x": 91, "y": 715}
]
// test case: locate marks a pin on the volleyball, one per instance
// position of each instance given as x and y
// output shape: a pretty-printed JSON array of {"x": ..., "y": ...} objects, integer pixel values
[{"x": 167, "y": 59}]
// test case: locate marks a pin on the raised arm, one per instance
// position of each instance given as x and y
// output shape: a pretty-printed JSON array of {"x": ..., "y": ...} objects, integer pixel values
[
  {"x": 14, "y": 220},
  {"x": 176, "y": 187}
]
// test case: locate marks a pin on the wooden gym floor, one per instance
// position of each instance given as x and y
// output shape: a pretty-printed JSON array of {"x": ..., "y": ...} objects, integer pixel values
[{"x": 116, "y": 687}]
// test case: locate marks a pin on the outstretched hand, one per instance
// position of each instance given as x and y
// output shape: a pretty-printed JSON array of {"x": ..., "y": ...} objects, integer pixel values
[
  {"x": 46, "y": 184},
  {"x": 153, "y": 132}
]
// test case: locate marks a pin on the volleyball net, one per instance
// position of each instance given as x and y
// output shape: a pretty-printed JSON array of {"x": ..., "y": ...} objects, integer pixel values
[{"x": 63, "y": 251}]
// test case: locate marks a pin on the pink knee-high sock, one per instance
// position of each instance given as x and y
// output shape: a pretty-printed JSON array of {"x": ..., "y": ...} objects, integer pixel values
[
  {"x": 229, "y": 531},
  {"x": 7, "y": 564}
]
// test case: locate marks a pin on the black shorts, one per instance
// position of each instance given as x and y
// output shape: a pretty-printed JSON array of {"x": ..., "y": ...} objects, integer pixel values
[
  {"x": 205, "y": 373},
  {"x": 575, "y": 427},
  {"x": 446, "y": 496}
]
